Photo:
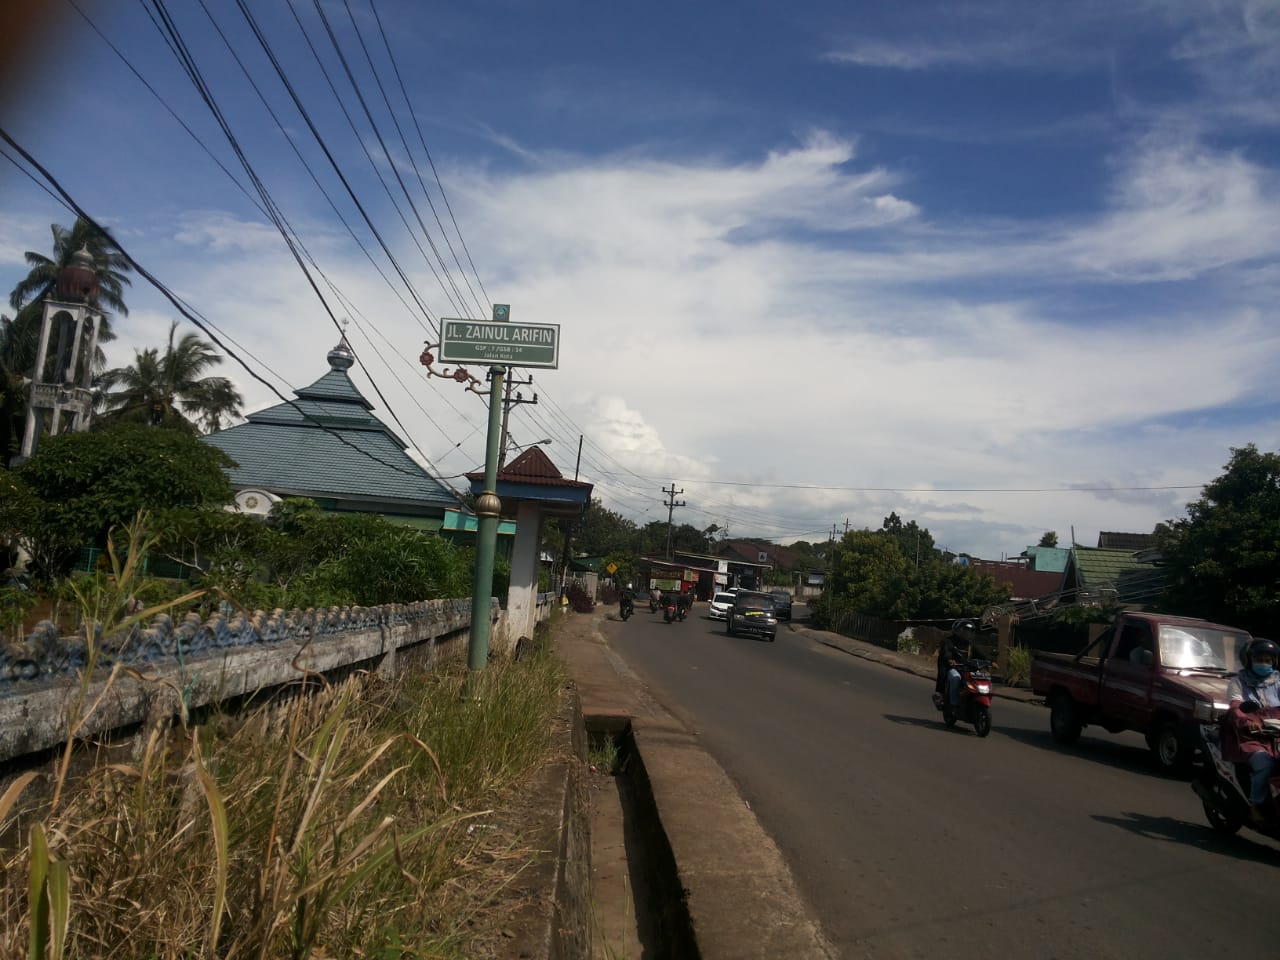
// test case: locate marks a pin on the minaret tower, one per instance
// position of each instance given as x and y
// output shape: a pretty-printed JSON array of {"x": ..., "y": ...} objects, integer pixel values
[{"x": 60, "y": 397}]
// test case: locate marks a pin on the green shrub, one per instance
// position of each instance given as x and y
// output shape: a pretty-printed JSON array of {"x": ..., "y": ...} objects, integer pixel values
[
  {"x": 304, "y": 557},
  {"x": 1017, "y": 671}
]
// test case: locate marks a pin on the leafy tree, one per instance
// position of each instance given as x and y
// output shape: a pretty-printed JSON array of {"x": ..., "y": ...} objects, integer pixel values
[
  {"x": 686, "y": 538},
  {"x": 168, "y": 390},
  {"x": 82, "y": 484},
  {"x": 601, "y": 531},
  {"x": 877, "y": 573},
  {"x": 18, "y": 507},
  {"x": 868, "y": 574},
  {"x": 1223, "y": 558},
  {"x": 1050, "y": 539},
  {"x": 914, "y": 541}
]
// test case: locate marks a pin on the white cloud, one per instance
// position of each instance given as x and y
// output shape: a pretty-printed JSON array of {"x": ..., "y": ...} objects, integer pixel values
[
  {"x": 788, "y": 322},
  {"x": 1181, "y": 209},
  {"x": 922, "y": 55}
]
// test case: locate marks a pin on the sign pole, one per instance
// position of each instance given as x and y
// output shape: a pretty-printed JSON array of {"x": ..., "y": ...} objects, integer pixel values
[{"x": 488, "y": 509}]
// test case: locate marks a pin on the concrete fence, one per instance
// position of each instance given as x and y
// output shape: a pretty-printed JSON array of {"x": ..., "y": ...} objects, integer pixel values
[{"x": 150, "y": 675}]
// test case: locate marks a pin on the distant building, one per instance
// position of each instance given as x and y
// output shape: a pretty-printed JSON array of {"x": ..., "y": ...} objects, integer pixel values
[
  {"x": 1101, "y": 575},
  {"x": 1047, "y": 559},
  {"x": 1023, "y": 582},
  {"x": 1133, "y": 542}
]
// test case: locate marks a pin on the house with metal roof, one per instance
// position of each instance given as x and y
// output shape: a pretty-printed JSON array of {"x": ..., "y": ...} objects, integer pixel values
[
  {"x": 1101, "y": 574},
  {"x": 327, "y": 445},
  {"x": 1133, "y": 542},
  {"x": 1048, "y": 559}
]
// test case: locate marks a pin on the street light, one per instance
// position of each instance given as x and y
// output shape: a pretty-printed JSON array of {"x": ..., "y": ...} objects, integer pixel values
[{"x": 546, "y": 441}]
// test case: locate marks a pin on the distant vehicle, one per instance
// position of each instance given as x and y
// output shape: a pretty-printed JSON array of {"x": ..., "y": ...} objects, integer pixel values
[
  {"x": 719, "y": 606},
  {"x": 752, "y": 613},
  {"x": 781, "y": 603},
  {"x": 1147, "y": 672}
]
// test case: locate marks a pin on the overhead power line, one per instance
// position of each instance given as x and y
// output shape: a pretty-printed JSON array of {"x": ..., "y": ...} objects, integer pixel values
[
  {"x": 434, "y": 172},
  {"x": 173, "y": 36},
  {"x": 257, "y": 204},
  {"x": 177, "y": 303}
]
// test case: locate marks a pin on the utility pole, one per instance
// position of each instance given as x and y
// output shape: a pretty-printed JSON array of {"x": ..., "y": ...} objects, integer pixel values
[
  {"x": 671, "y": 506},
  {"x": 488, "y": 509},
  {"x": 568, "y": 533},
  {"x": 846, "y": 524},
  {"x": 507, "y": 404}
]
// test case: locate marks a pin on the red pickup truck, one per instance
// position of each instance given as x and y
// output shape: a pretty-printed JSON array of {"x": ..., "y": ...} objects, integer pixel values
[{"x": 1147, "y": 672}]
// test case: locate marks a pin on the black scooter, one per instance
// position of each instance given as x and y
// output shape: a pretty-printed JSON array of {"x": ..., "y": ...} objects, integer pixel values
[
  {"x": 626, "y": 607},
  {"x": 1223, "y": 787}
]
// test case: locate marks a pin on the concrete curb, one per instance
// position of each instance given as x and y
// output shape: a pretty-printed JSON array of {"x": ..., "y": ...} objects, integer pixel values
[
  {"x": 555, "y": 921},
  {"x": 741, "y": 899}
]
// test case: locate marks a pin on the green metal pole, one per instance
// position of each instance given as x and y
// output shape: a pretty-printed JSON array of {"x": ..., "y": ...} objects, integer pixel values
[{"x": 488, "y": 507}]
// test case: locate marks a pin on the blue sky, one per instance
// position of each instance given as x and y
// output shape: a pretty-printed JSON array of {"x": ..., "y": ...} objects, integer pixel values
[{"x": 920, "y": 254}]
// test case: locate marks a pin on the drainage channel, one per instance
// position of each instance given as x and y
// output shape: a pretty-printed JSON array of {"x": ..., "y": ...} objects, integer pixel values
[{"x": 638, "y": 906}]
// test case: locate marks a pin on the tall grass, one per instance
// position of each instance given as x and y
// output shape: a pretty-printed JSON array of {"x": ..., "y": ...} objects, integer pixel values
[
  {"x": 1018, "y": 670},
  {"x": 330, "y": 821}
]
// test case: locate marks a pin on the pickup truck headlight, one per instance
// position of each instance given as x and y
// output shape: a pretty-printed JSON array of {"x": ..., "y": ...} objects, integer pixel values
[{"x": 1209, "y": 711}]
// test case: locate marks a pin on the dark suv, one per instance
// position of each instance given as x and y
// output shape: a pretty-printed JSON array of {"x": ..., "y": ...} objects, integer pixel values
[
  {"x": 781, "y": 603},
  {"x": 752, "y": 613}
]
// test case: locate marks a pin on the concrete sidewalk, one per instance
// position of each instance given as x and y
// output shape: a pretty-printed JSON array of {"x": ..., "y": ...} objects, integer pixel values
[{"x": 741, "y": 898}]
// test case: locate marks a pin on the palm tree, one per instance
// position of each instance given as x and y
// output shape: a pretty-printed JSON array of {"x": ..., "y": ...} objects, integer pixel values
[
  {"x": 167, "y": 389},
  {"x": 19, "y": 336},
  {"x": 13, "y": 389},
  {"x": 43, "y": 276}
]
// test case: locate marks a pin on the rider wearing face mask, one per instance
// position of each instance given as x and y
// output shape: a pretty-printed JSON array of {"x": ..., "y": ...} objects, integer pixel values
[{"x": 1255, "y": 689}]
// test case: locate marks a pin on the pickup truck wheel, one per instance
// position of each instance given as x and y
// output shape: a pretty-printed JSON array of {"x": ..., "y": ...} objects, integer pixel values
[
  {"x": 1064, "y": 719},
  {"x": 1171, "y": 749}
]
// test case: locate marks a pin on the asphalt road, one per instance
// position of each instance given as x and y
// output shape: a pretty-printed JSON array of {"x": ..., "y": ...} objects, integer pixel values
[{"x": 912, "y": 840}]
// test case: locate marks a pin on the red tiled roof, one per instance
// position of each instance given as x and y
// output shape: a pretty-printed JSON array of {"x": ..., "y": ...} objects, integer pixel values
[
  {"x": 1025, "y": 583},
  {"x": 748, "y": 551},
  {"x": 533, "y": 467}
]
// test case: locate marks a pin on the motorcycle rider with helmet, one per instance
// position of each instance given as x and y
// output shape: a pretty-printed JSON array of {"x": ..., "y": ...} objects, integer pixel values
[
  {"x": 955, "y": 649},
  {"x": 1255, "y": 688}
]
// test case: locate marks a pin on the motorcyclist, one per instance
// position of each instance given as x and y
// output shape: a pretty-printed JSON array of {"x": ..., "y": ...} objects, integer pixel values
[
  {"x": 954, "y": 651},
  {"x": 1254, "y": 690},
  {"x": 684, "y": 603},
  {"x": 626, "y": 603}
]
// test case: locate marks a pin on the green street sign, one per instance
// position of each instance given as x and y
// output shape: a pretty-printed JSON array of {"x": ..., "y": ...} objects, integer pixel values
[
  {"x": 501, "y": 312},
  {"x": 500, "y": 344}
]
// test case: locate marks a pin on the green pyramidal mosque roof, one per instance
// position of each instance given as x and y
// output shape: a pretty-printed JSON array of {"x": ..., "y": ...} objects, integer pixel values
[{"x": 292, "y": 450}]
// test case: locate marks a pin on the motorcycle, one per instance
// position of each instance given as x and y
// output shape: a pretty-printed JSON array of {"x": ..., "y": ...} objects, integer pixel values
[
  {"x": 1223, "y": 787},
  {"x": 626, "y": 607},
  {"x": 670, "y": 611},
  {"x": 653, "y": 603},
  {"x": 975, "y": 698}
]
